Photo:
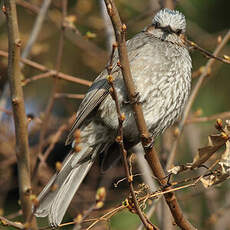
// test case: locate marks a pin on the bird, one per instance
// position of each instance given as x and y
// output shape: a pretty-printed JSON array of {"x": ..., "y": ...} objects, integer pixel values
[{"x": 160, "y": 65}]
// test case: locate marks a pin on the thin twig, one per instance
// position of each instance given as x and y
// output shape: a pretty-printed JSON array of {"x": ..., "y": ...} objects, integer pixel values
[
  {"x": 192, "y": 97},
  {"x": 20, "y": 119},
  {"x": 8, "y": 112},
  {"x": 55, "y": 138},
  {"x": 105, "y": 217},
  {"x": 36, "y": 28},
  {"x": 28, "y": 6},
  {"x": 38, "y": 77},
  {"x": 5, "y": 222},
  {"x": 110, "y": 36},
  {"x": 72, "y": 34},
  {"x": 69, "y": 95},
  {"x": 33, "y": 36},
  {"x": 205, "y": 52},
  {"x": 50, "y": 103},
  {"x": 223, "y": 115},
  {"x": 150, "y": 155},
  {"x": 120, "y": 141},
  {"x": 54, "y": 73}
]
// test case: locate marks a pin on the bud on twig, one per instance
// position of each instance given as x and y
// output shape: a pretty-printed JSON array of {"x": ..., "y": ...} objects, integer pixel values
[
  {"x": 124, "y": 27},
  {"x": 110, "y": 78},
  {"x": 78, "y": 219},
  {"x": 101, "y": 194},
  {"x": 58, "y": 166}
]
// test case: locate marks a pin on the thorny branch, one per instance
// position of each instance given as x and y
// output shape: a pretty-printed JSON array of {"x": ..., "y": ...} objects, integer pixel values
[
  {"x": 20, "y": 120},
  {"x": 120, "y": 141},
  {"x": 192, "y": 97},
  {"x": 151, "y": 155}
]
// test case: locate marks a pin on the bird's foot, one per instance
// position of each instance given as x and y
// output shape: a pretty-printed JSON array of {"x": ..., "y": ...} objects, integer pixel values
[
  {"x": 135, "y": 99},
  {"x": 149, "y": 142}
]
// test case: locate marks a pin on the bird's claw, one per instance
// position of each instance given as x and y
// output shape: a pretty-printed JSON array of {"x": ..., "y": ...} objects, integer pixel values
[
  {"x": 149, "y": 143},
  {"x": 135, "y": 99}
]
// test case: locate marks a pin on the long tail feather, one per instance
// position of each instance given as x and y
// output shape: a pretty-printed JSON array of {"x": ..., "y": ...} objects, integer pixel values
[{"x": 54, "y": 202}]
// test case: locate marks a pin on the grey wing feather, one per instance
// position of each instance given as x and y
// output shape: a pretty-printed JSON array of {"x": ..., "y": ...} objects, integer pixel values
[
  {"x": 95, "y": 95},
  {"x": 67, "y": 191},
  {"x": 100, "y": 87},
  {"x": 54, "y": 203},
  {"x": 46, "y": 197}
]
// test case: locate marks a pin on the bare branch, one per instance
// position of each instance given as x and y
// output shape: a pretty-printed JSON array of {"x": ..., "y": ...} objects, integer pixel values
[
  {"x": 6, "y": 222},
  {"x": 51, "y": 100},
  {"x": 123, "y": 151},
  {"x": 69, "y": 95},
  {"x": 205, "y": 52},
  {"x": 223, "y": 115},
  {"x": 20, "y": 120},
  {"x": 110, "y": 36},
  {"x": 151, "y": 155},
  {"x": 36, "y": 28},
  {"x": 52, "y": 72}
]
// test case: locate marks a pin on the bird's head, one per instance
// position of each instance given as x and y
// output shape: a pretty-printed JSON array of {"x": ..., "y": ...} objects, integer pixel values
[{"x": 167, "y": 25}]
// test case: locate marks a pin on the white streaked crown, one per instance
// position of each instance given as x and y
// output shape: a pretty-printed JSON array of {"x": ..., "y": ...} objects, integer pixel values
[{"x": 172, "y": 18}]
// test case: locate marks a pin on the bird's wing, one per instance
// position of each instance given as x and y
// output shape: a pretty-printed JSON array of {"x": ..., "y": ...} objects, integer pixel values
[
  {"x": 100, "y": 87},
  {"x": 95, "y": 95}
]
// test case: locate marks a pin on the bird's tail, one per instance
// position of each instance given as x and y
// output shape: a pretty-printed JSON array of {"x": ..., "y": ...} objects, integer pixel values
[{"x": 58, "y": 193}]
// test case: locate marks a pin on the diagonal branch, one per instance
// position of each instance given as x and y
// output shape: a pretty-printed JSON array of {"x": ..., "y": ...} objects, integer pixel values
[
  {"x": 36, "y": 28},
  {"x": 5, "y": 222},
  {"x": 20, "y": 120},
  {"x": 49, "y": 72},
  {"x": 205, "y": 52},
  {"x": 51, "y": 100},
  {"x": 120, "y": 141},
  {"x": 151, "y": 155}
]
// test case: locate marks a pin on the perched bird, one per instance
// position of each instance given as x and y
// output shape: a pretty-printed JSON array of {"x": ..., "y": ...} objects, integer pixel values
[{"x": 161, "y": 69}]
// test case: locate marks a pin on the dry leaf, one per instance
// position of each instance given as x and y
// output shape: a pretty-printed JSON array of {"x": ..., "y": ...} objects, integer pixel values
[
  {"x": 215, "y": 142},
  {"x": 180, "y": 168},
  {"x": 223, "y": 173}
]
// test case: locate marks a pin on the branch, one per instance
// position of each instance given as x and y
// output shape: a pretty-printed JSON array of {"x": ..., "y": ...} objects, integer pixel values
[
  {"x": 223, "y": 115},
  {"x": 51, "y": 100},
  {"x": 69, "y": 95},
  {"x": 192, "y": 97},
  {"x": 20, "y": 120},
  {"x": 36, "y": 28},
  {"x": 150, "y": 155},
  {"x": 6, "y": 222},
  {"x": 120, "y": 141},
  {"x": 72, "y": 34},
  {"x": 205, "y": 52},
  {"x": 110, "y": 36},
  {"x": 50, "y": 72}
]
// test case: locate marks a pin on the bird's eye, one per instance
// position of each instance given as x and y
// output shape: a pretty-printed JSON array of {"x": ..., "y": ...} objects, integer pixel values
[
  {"x": 156, "y": 25},
  {"x": 178, "y": 31}
]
